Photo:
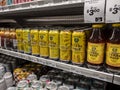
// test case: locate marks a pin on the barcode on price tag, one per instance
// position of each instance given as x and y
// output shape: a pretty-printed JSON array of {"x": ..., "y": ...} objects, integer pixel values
[
  {"x": 94, "y": 11},
  {"x": 113, "y": 11}
]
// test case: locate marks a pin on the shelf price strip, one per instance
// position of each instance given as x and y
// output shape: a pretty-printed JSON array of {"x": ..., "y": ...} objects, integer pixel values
[
  {"x": 113, "y": 11},
  {"x": 94, "y": 11}
]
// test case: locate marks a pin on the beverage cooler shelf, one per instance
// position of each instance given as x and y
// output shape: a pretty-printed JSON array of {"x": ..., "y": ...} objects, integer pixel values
[
  {"x": 42, "y": 8},
  {"x": 100, "y": 75}
]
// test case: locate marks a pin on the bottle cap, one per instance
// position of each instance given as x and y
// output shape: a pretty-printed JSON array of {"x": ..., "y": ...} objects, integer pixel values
[
  {"x": 116, "y": 25},
  {"x": 97, "y": 25}
]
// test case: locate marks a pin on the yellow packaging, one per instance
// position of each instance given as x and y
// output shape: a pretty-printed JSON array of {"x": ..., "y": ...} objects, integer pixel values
[
  {"x": 19, "y": 38},
  {"x": 54, "y": 44},
  {"x": 65, "y": 45},
  {"x": 26, "y": 41},
  {"x": 78, "y": 47},
  {"x": 95, "y": 53},
  {"x": 34, "y": 34},
  {"x": 43, "y": 42},
  {"x": 113, "y": 54}
]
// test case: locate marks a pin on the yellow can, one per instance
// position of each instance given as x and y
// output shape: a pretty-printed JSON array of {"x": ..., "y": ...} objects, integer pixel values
[
  {"x": 43, "y": 42},
  {"x": 54, "y": 44},
  {"x": 26, "y": 41},
  {"x": 65, "y": 45},
  {"x": 19, "y": 38},
  {"x": 78, "y": 47},
  {"x": 34, "y": 34}
]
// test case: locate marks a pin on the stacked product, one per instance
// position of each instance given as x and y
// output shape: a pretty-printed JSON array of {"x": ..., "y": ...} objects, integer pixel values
[
  {"x": 60, "y": 80},
  {"x": 76, "y": 45}
]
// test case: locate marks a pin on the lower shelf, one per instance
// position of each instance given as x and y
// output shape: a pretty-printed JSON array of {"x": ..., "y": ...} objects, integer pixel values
[{"x": 108, "y": 77}]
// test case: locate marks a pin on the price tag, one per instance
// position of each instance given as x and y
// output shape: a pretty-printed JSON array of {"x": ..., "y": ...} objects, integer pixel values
[
  {"x": 113, "y": 11},
  {"x": 94, "y": 11}
]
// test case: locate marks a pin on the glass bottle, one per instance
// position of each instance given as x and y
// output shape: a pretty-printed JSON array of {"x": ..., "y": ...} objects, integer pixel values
[
  {"x": 7, "y": 39},
  {"x": 95, "y": 50},
  {"x": 113, "y": 50},
  {"x": 13, "y": 41},
  {"x": 2, "y": 37}
]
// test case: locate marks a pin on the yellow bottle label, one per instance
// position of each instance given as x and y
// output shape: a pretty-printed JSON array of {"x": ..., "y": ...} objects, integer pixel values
[
  {"x": 95, "y": 53},
  {"x": 78, "y": 47},
  {"x": 65, "y": 46},
  {"x": 54, "y": 44},
  {"x": 43, "y": 42},
  {"x": 35, "y": 42},
  {"x": 113, "y": 55}
]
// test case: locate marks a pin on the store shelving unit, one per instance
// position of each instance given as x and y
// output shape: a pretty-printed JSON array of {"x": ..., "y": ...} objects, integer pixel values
[
  {"x": 50, "y": 12},
  {"x": 67, "y": 67}
]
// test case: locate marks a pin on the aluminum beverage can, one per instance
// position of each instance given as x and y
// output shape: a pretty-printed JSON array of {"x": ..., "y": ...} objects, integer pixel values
[
  {"x": 65, "y": 45},
  {"x": 43, "y": 42},
  {"x": 34, "y": 34},
  {"x": 27, "y": 41},
  {"x": 54, "y": 44},
  {"x": 19, "y": 38},
  {"x": 78, "y": 47}
]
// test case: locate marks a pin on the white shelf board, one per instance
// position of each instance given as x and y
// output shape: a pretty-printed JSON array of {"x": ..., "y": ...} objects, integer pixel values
[{"x": 60, "y": 65}]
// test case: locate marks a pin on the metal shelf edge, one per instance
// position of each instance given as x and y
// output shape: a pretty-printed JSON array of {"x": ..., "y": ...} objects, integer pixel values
[{"x": 60, "y": 65}]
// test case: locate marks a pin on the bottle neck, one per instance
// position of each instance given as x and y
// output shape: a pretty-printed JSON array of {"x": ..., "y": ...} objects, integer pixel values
[
  {"x": 97, "y": 36},
  {"x": 115, "y": 37}
]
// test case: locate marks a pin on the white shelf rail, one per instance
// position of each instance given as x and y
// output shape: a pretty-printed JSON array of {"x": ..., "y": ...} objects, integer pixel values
[{"x": 60, "y": 65}]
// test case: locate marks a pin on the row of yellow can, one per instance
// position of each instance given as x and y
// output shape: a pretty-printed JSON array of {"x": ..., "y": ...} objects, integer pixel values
[{"x": 65, "y": 45}]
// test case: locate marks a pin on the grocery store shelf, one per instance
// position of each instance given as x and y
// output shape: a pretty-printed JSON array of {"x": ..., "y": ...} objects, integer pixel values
[
  {"x": 55, "y": 20},
  {"x": 67, "y": 67},
  {"x": 39, "y": 21},
  {"x": 43, "y": 8}
]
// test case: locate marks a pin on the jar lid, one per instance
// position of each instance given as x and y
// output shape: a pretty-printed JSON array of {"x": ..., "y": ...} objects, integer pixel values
[{"x": 97, "y": 25}]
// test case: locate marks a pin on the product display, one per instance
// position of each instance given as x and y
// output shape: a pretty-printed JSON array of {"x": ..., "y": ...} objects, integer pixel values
[
  {"x": 35, "y": 42},
  {"x": 59, "y": 45},
  {"x": 54, "y": 40},
  {"x": 65, "y": 45},
  {"x": 43, "y": 42},
  {"x": 78, "y": 47},
  {"x": 19, "y": 37},
  {"x": 26, "y": 41},
  {"x": 96, "y": 46},
  {"x": 113, "y": 50}
]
